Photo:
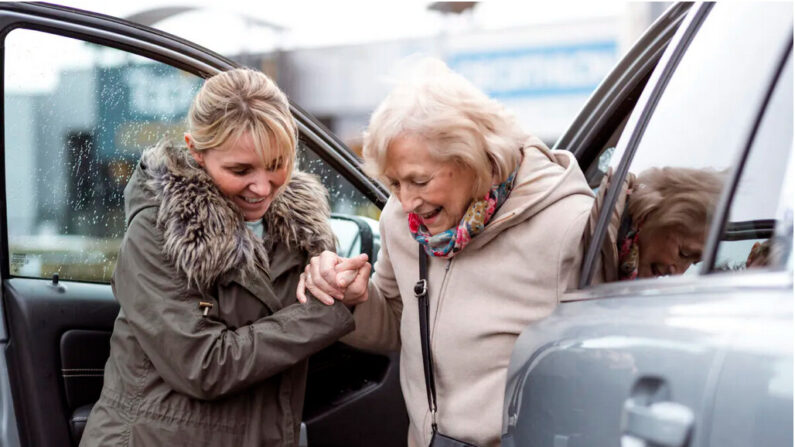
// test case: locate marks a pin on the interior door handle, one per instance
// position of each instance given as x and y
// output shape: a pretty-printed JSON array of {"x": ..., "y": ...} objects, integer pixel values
[{"x": 665, "y": 424}]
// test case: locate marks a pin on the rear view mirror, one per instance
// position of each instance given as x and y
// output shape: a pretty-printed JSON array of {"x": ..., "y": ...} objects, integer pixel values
[{"x": 355, "y": 235}]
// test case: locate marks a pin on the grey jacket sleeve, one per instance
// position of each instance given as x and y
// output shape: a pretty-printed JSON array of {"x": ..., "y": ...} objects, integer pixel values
[{"x": 199, "y": 356}]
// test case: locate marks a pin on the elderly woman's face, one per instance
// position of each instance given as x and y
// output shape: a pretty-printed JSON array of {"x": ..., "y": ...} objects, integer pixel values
[
  {"x": 238, "y": 171},
  {"x": 667, "y": 251},
  {"x": 438, "y": 192}
]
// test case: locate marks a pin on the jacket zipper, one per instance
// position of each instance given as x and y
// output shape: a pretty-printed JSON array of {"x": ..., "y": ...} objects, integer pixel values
[{"x": 440, "y": 297}]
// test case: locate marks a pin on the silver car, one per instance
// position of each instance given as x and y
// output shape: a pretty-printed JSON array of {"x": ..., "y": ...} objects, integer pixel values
[{"x": 698, "y": 359}]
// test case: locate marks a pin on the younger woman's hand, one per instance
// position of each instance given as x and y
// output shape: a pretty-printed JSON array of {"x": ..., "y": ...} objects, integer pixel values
[{"x": 327, "y": 277}]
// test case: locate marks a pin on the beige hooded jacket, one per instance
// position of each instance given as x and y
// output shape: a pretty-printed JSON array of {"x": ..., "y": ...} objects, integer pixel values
[{"x": 509, "y": 276}]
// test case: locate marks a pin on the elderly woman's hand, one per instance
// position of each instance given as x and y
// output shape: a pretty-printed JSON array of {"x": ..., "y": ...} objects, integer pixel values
[{"x": 329, "y": 277}]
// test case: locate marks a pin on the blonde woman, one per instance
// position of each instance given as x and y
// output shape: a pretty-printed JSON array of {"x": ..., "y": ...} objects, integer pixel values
[
  {"x": 209, "y": 347},
  {"x": 499, "y": 217}
]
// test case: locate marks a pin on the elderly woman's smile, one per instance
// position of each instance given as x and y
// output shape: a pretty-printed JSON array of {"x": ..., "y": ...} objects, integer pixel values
[{"x": 438, "y": 192}]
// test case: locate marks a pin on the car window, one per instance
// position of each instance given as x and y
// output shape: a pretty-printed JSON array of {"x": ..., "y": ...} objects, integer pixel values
[
  {"x": 755, "y": 235},
  {"x": 660, "y": 220},
  {"x": 78, "y": 116},
  {"x": 347, "y": 202},
  {"x": 82, "y": 113}
]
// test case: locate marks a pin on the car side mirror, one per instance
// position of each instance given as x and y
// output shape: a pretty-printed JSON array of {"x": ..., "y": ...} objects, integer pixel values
[{"x": 355, "y": 235}]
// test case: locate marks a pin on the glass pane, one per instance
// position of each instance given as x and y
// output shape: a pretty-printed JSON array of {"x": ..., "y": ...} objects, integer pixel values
[
  {"x": 702, "y": 121},
  {"x": 345, "y": 200},
  {"x": 749, "y": 240},
  {"x": 77, "y": 117}
]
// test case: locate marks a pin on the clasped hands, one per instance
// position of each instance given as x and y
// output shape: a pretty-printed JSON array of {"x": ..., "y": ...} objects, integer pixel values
[{"x": 330, "y": 277}]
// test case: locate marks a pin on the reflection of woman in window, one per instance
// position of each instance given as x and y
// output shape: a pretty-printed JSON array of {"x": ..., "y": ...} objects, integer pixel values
[
  {"x": 659, "y": 224},
  {"x": 209, "y": 347}
]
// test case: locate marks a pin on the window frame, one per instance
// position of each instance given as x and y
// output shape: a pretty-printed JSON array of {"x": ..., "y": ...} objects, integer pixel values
[
  {"x": 686, "y": 284},
  {"x": 636, "y": 126}
]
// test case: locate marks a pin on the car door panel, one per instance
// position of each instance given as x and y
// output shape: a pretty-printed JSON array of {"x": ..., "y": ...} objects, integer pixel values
[
  {"x": 753, "y": 395},
  {"x": 583, "y": 377},
  {"x": 39, "y": 314},
  {"x": 83, "y": 354}
]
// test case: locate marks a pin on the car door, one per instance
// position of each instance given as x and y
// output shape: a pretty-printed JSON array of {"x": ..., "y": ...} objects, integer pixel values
[
  {"x": 83, "y": 95},
  {"x": 639, "y": 362},
  {"x": 752, "y": 404}
]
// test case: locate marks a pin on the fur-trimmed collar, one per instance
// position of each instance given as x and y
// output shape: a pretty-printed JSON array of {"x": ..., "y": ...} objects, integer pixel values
[{"x": 204, "y": 232}]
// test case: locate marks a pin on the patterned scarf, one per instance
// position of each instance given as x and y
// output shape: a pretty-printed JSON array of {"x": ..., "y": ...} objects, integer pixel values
[
  {"x": 628, "y": 252},
  {"x": 450, "y": 242}
]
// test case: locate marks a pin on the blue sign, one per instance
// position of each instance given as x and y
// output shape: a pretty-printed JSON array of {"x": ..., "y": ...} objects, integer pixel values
[{"x": 538, "y": 71}]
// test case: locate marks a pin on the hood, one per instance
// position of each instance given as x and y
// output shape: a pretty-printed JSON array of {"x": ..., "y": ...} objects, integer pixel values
[
  {"x": 204, "y": 233},
  {"x": 544, "y": 177}
]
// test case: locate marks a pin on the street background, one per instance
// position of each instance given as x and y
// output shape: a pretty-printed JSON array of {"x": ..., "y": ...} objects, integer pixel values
[{"x": 334, "y": 59}]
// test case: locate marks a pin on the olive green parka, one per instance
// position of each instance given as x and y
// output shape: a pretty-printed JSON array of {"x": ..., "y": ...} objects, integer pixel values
[{"x": 232, "y": 377}]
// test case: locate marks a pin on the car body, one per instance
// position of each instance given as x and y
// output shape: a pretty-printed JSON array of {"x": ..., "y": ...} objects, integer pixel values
[{"x": 702, "y": 359}]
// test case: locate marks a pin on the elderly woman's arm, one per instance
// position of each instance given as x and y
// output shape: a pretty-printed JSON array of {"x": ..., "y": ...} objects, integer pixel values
[
  {"x": 378, "y": 318},
  {"x": 377, "y": 301}
]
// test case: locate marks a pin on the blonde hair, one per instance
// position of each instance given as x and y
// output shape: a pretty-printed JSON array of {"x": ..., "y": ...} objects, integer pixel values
[
  {"x": 458, "y": 121},
  {"x": 681, "y": 198},
  {"x": 242, "y": 100}
]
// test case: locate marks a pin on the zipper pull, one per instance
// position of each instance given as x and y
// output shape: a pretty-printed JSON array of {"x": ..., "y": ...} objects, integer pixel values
[{"x": 206, "y": 306}]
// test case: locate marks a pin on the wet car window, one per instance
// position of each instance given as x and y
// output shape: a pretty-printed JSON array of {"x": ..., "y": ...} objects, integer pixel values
[
  {"x": 758, "y": 232},
  {"x": 78, "y": 116},
  {"x": 82, "y": 115},
  {"x": 662, "y": 215}
]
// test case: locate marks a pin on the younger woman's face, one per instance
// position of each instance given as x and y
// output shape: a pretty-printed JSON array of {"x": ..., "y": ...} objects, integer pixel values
[{"x": 241, "y": 175}]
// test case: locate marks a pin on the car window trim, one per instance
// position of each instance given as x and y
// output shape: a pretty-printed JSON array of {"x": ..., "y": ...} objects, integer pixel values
[
  {"x": 612, "y": 93},
  {"x": 723, "y": 208},
  {"x": 699, "y": 14},
  {"x": 10, "y": 21}
]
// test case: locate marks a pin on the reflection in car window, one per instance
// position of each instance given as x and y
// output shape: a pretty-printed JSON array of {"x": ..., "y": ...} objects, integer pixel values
[
  {"x": 753, "y": 237},
  {"x": 661, "y": 217},
  {"x": 82, "y": 115}
]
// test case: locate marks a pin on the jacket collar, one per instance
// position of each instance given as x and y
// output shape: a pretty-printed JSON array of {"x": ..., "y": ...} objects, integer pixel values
[
  {"x": 544, "y": 177},
  {"x": 204, "y": 233}
]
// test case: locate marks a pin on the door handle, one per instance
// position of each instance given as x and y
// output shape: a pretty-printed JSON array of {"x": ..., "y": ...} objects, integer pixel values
[{"x": 664, "y": 424}]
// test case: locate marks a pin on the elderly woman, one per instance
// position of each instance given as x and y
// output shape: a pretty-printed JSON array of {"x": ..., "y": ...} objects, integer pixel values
[
  {"x": 500, "y": 218},
  {"x": 659, "y": 223},
  {"x": 210, "y": 347}
]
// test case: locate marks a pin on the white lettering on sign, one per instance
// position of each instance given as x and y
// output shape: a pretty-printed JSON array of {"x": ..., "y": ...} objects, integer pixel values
[{"x": 538, "y": 71}]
